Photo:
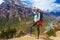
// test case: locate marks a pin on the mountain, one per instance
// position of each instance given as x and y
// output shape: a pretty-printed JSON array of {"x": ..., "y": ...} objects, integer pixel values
[
  {"x": 56, "y": 11},
  {"x": 11, "y": 9}
]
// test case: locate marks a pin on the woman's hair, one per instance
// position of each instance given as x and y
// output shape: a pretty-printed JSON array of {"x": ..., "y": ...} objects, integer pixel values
[{"x": 36, "y": 9}]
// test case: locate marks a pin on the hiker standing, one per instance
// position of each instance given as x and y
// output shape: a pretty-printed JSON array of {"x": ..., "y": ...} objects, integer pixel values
[{"x": 37, "y": 20}]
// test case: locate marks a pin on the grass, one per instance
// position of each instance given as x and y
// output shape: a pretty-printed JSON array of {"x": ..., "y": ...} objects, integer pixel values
[
  {"x": 2, "y": 23},
  {"x": 19, "y": 25},
  {"x": 22, "y": 28},
  {"x": 14, "y": 23}
]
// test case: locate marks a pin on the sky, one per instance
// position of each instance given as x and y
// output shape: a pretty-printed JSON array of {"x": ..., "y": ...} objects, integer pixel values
[
  {"x": 1, "y": 1},
  {"x": 58, "y": 1},
  {"x": 42, "y": 4}
]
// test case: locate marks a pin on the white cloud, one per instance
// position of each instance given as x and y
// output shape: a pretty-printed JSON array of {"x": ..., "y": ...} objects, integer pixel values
[
  {"x": 1, "y": 1},
  {"x": 44, "y": 4}
]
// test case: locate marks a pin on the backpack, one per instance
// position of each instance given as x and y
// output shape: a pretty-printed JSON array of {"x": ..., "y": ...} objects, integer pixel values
[{"x": 41, "y": 15}]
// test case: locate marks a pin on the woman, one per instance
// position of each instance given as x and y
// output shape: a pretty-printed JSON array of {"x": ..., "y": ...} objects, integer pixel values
[{"x": 37, "y": 20}]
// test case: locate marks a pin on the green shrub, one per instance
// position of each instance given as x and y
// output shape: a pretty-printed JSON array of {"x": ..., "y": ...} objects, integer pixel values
[
  {"x": 57, "y": 28},
  {"x": 52, "y": 32},
  {"x": 8, "y": 33}
]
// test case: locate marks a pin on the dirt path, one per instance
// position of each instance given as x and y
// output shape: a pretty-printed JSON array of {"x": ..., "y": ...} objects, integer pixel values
[
  {"x": 57, "y": 36},
  {"x": 27, "y": 37}
]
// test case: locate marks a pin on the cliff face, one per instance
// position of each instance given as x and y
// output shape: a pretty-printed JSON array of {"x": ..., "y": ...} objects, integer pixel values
[{"x": 10, "y": 9}]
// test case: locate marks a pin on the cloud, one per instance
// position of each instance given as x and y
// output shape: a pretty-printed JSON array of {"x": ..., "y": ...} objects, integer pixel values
[
  {"x": 44, "y": 4},
  {"x": 1, "y": 1},
  {"x": 54, "y": 6}
]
